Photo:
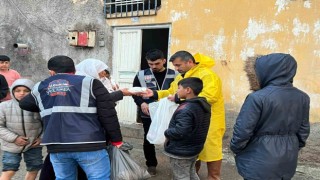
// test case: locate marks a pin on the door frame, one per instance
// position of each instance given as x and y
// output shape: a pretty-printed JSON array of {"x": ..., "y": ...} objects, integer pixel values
[
  {"x": 116, "y": 29},
  {"x": 141, "y": 27}
]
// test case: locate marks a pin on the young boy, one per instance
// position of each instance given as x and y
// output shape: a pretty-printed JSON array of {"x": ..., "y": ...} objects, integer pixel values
[
  {"x": 20, "y": 134},
  {"x": 10, "y": 74},
  {"x": 188, "y": 129}
]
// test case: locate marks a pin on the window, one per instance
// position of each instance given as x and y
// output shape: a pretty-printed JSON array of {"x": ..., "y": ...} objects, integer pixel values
[{"x": 130, "y": 8}]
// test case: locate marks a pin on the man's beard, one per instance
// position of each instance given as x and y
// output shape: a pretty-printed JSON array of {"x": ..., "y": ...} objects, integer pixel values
[{"x": 158, "y": 70}]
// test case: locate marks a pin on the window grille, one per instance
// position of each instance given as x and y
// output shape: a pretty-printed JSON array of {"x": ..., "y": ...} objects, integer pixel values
[{"x": 130, "y": 8}]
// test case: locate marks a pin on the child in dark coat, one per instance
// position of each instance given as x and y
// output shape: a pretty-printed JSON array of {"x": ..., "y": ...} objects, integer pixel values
[{"x": 187, "y": 130}]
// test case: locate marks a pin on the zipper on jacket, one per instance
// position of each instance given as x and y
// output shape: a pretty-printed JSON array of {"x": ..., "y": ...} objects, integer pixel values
[{"x": 23, "y": 128}]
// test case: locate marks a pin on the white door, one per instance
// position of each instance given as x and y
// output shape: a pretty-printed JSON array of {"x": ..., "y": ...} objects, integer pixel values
[{"x": 126, "y": 63}]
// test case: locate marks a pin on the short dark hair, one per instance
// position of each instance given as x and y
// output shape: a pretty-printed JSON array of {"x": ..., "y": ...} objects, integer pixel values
[
  {"x": 107, "y": 71},
  {"x": 4, "y": 58},
  {"x": 194, "y": 83},
  {"x": 184, "y": 55},
  {"x": 154, "y": 54},
  {"x": 61, "y": 64}
]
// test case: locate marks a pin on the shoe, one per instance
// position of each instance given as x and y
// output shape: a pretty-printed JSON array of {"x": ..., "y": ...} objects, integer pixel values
[{"x": 152, "y": 170}]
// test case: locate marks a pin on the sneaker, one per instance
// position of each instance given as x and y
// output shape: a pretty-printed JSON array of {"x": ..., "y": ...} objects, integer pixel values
[{"x": 152, "y": 170}]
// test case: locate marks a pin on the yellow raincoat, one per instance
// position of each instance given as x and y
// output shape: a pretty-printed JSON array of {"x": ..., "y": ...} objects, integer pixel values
[{"x": 212, "y": 91}]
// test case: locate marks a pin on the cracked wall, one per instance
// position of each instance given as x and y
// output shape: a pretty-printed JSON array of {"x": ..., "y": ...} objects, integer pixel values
[
  {"x": 44, "y": 25},
  {"x": 230, "y": 31},
  {"x": 227, "y": 30}
]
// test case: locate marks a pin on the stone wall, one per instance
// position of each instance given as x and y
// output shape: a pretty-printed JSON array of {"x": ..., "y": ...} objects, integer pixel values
[{"x": 44, "y": 25}]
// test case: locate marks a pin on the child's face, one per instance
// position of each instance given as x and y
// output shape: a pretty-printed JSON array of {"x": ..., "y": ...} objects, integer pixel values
[
  {"x": 20, "y": 92},
  {"x": 182, "y": 92},
  {"x": 108, "y": 75},
  {"x": 4, "y": 65},
  {"x": 102, "y": 74}
]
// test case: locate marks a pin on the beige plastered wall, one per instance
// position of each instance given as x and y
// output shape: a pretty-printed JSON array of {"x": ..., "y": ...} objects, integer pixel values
[{"x": 231, "y": 30}]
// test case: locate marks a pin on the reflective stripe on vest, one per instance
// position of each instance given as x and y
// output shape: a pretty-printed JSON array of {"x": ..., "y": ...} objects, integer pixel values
[{"x": 141, "y": 76}]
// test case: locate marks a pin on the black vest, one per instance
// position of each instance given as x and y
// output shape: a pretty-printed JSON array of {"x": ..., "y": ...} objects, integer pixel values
[
  {"x": 147, "y": 79},
  {"x": 68, "y": 110}
]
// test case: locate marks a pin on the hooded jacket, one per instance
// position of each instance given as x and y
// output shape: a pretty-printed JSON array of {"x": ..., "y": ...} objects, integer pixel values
[
  {"x": 16, "y": 122},
  {"x": 212, "y": 91},
  {"x": 273, "y": 123},
  {"x": 188, "y": 128}
]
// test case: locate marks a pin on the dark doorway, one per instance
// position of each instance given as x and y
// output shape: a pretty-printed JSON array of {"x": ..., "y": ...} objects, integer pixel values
[{"x": 154, "y": 39}]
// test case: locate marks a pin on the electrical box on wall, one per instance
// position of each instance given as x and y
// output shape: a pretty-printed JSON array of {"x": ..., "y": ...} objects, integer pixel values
[
  {"x": 73, "y": 38},
  {"x": 92, "y": 39},
  {"x": 82, "y": 38}
]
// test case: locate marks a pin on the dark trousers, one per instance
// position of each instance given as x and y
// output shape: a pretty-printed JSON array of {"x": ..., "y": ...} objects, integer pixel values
[
  {"x": 148, "y": 149},
  {"x": 47, "y": 172}
]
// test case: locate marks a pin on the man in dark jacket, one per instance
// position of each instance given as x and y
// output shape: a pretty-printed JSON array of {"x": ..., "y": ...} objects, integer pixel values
[
  {"x": 156, "y": 77},
  {"x": 273, "y": 124},
  {"x": 3, "y": 87},
  {"x": 77, "y": 111}
]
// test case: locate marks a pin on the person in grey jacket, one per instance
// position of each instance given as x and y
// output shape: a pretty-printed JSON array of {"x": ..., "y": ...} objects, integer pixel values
[
  {"x": 273, "y": 123},
  {"x": 20, "y": 133}
]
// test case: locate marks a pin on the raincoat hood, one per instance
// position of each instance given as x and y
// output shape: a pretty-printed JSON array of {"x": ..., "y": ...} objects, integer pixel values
[
  {"x": 91, "y": 68},
  {"x": 21, "y": 82},
  {"x": 202, "y": 102},
  {"x": 204, "y": 60},
  {"x": 274, "y": 69}
]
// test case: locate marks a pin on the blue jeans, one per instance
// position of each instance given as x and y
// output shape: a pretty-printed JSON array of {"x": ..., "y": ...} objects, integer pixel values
[
  {"x": 32, "y": 158},
  {"x": 96, "y": 164}
]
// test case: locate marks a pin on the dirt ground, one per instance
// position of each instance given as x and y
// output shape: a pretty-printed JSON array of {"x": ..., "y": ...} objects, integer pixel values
[{"x": 308, "y": 166}]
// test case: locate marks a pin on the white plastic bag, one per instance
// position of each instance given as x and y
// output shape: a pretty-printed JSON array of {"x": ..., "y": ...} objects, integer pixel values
[{"x": 160, "y": 113}]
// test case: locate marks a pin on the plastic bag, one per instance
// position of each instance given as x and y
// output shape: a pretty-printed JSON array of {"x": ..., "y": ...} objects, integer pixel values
[
  {"x": 123, "y": 167},
  {"x": 160, "y": 113}
]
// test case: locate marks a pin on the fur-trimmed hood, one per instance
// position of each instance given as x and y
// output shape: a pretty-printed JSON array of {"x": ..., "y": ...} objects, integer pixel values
[{"x": 274, "y": 69}]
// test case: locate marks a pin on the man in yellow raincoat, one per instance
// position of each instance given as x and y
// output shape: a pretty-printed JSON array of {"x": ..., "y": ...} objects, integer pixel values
[{"x": 200, "y": 66}]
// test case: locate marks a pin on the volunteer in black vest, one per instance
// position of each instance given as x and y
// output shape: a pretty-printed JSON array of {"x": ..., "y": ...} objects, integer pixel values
[
  {"x": 157, "y": 77},
  {"x": 76, "y": 112}
]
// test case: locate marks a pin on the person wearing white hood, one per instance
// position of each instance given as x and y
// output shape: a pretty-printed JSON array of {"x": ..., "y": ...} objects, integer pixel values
[{"x": 95, "y": 68}]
